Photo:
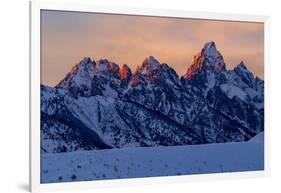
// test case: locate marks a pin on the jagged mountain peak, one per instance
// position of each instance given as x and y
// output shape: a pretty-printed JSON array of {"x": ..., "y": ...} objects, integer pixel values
[
  {"x": 104, "y": 65},
  {"x": 81, "y": 72},
  {"x": 153, "y": 106},
  {"x": 90, "y": 77},
  {"x": 86, "y": 60},
  {"x": 247, "y": 76},
  {"x": 150, "y": 60},
  {"x": 211, "y": 58},
  {"x": 153, "y": 71},
  {"x": 125, "y": 66},
  {"x": 86, "y": 63},
  {"x": 210, "y": 49},
  {"x": 242, "y": 66},
  {"x": 149, "y": 65},
  {"x": 125, "y": 72},
  {"x": 148, "y": 69},
  {"x": 208, "y": 59}
]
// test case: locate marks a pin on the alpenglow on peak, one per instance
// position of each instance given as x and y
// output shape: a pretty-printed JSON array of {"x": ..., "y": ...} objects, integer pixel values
[{"x": 208, "y": 59}]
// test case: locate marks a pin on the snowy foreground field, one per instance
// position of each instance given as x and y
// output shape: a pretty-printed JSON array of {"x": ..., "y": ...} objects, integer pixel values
[{"x": 152, "y": 161}]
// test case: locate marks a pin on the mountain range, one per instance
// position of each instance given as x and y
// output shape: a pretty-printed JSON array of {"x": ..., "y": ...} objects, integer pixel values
[{"x": 101, "y": 105}]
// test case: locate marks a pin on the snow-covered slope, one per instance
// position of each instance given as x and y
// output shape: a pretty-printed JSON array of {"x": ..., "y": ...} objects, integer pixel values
[
  {"x": 152, "y": 161},
  {"x": 115, "y": 123},
  {"x": 61, "y": 130}
]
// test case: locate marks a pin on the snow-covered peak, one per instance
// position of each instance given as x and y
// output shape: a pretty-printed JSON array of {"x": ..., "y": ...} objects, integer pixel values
[
  {"x": 89, "y": 77},
  {"x": 152, "y": 70},
  {"x": 80, "y": 74},
  {"x": 86, "y": 64},
  {"x": 104, "y": 66},
  {"x": 149, "y": 69},
  {"x": 247, "y": 76},
  {"x": 149, "y": 65},
  {"x": 113, "y": 67},
  {"x": 211, "y": 57},
  {"x": 208, "y": 59},
  {"x": 241, "y": 66},
  {"x": 86, "y": 61},
  {"x": 210, "y": 49}
]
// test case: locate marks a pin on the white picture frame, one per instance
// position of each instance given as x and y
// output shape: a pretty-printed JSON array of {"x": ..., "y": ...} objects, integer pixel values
[{"x": 36, "y": 6}]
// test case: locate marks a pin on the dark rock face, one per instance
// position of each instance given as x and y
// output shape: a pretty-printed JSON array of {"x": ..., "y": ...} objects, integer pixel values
[{"x": 99, "y": 105}]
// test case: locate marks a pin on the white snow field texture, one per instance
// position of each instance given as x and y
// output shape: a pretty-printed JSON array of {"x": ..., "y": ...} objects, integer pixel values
[{"x": 153, "y": 161}]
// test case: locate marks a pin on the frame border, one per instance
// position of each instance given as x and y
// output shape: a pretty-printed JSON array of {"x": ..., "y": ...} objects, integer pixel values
[{"x": 34, "y": 93}]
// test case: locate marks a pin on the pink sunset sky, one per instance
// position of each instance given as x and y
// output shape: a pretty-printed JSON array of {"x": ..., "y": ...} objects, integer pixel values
[{"x": 67, "y": 37}]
